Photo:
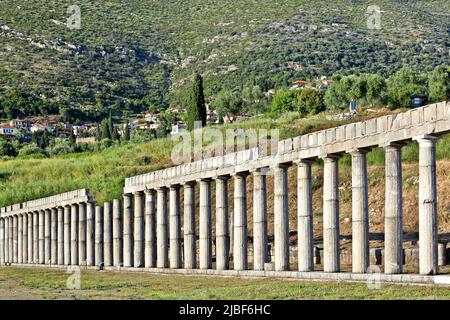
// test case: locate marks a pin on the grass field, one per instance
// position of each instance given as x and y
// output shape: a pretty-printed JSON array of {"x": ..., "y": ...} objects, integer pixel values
[{"x": 26, "y": 283}]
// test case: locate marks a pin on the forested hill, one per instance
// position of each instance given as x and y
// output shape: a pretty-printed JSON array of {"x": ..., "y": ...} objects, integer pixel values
[{"x": 129, "y": 55}]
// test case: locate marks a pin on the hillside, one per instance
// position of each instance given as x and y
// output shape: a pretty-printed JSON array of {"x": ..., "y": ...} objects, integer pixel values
[{"x": 129, "y": 55}]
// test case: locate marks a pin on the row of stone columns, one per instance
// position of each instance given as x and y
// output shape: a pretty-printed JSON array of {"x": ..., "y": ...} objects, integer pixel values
[{"x": 147, "y": 231}]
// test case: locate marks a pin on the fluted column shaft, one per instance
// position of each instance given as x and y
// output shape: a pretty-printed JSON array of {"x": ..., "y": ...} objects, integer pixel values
[
  {"x": 15, "y": 234},
  {"x": 47, "y": 236},
  {"x": 175, "y": 227},
  {"x": 41, "y": 255},
  {"x": 190, "y": 248},
  {"x": 74, "y": 235},
  {"x": 150, "y": 229},
  {"x": 19, "y": 239},
  {"x": 30, "y": 237},
  {"x": 240, "y": 222},
  {"x": 99, "y": 257},
  {"x": 6, "y": 239},
  {"x": 260, "y": 244},
  {"x": 127, "y": 231},
  {"x": 108, "y": 234},
  {"x": 393, "y": 216},
  {"x": 61, "y": 236},
  {"x": 90, "y": 234},
  {"x": 82, "y": 216},
  {"x": 205, "y": 230},
  {"x": 222, "y": 224},
  {"x": 281, "y": 218},
  {"x": 54, "y": 236},
  {"x": 36, "y": 237},
  {"x": 305, "y": 217},
  {"x": 2, "y": 241},
  {"x": 25, "y": 238},
  {"x": 117, "y": 232},
  {"x": 360, "y": 212},
  {"x": 331, "y": 236},
  {"x": 139, "y": 227},
  {"x": 67, "y": 237},
  {"x": 162, "y": 239},
  {"x": 428, "y": 230}
]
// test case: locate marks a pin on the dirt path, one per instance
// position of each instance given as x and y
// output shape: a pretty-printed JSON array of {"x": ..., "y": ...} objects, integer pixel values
[{"x": 12, "y": 290}]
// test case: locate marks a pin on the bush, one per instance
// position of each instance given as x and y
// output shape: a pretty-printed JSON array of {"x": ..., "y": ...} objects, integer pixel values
[{"x": 32, "y": 151}]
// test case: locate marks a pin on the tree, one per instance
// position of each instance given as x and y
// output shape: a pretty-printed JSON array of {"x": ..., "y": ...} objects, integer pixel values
[
  {"x": 7, "y": 149},
  {"x": 196, "y": 107},
  {"x": 310, "y": 101},
  {"x": 126, "y": 132},
  {"x": 283, "y": 101},
  {"x": 253, "y": 100},
  {"x": 402, "y": 86},
  {"x": 45, "y": 140},
  {"x": 439, "y": 84},
  {"x": 227, "y": 104},
  {"x": 72, "y": 138}
]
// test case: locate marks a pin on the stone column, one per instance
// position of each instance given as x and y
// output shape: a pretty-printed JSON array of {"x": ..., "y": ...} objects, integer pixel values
[
  {"x": 205, "y": 230},
  {"x": 190, "y": 248},
  {"x": 6, "y": 240},
  {"x": 108, "y": 234},
  {"x": 61, "y": 236},
  {"x": 47, "y": 239},
  {"x": 82, "y": 234},
  {"x": 175, "y": 227},
  {"x": 117, "y": 233},
  {"x": 25, "y": 238},
  {"x": 67, "y": 237},
  {"x": 127, "y": 231},
  {"x": 99, "y": 257},
  {"x": 331, "y": 236},
  {"x": 2, "y": 241},
  {"x": 360, "y": 212},
  {"x": 281, "y": 218},
  {"x": 15, "y": 238},
  {"x": 54, "y": 236},
  {"x": 260, "y": 244},
  {"x": 393, "y": 216},
  {"x": 36, "y": 237},
  {"x": 222, "y": 223},
  {"x": 240, "y": 222},
  {"x": 138, "y": 234},
  {"x": 428, "y": 230},
  {"x": 30, "y": 238},
  {"x": 161, "y": 230},
  {"x": 305, "y": 216},
  {"x": 74, "y": 235},
  {"x": 41, "y": 231},
  {"x": 19, "y": 239},
  {"x": 11, "y": 239},
  {"x": 150, "y": 229},
  {"x": 90, "y": 234}
]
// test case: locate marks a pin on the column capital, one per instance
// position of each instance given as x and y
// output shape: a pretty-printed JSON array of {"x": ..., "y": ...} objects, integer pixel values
[
  {"x": 139, "y": 192},
  {"x": 222, "y": 177},
  {"x": 204, "y": 180},
  {"x": 260, "y": 171},
  {"x": 426, "y": 138},
  {"x": 128, "y": 195},
  {"x": 303, "y": 161},
  {"x": 190, "y": 183},
  {"x": 330, "y": 156},
  {"x": 392, "y": 144},
  {"x": 175, "y": 186},
  {"x": 240, "y": 174},
  {"x": 359, "y": 151},
  {"x": 148, "y": 191}
]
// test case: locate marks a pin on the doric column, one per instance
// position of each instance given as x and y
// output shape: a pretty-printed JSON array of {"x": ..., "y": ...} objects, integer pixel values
[
  {"x": 82, "y": 233},
  {"x": 19, "y": 239},
  {"x": 54, "y": 236},
  {"x": 331, "y": 236},
  {"x": 117, "y": 233},
  {"x": 360, "y": 212},
  {"x": 11, "y": 239},
  {"x": 2, "y": 241},
  {"x": 190, "y": 248},
  {"x": 108, "y": 234},
  {"x": 393, "y": 216},
  {"x": 138, "y": 234},
  {"x": 260, "y": 245},
  {"x": 67, "y": 237},
  {"x": 305, "y": 217},
  {"x": 30, "y": 237},
  {"x": 15, "y": 234},
  {"x": 99, "y": 258},
  {"x": 90, "y": 234},
  {"x": 205, "y": 230},
  {"x": 240, "y": 222},
  {"x": 47, "y": 239},
  {"x": 175, "y": 227},
  {"x": 25, "y": 238},
  {"x": 162, "y": 253},
  {"x": 6, "y": 239},
  {"x": 41, "y": 231},
  {"x": 222, "y": 224},
  {"x": 61, "y": 236},
  {"x": 281, "y": 217},
  {"x": 428, "y": 230},
  {"x": 36, "y": 237},
  {"x": 127, "y": 231},
  {"x": 150, "y": 229},
  {"x": 74, "y": 235}
]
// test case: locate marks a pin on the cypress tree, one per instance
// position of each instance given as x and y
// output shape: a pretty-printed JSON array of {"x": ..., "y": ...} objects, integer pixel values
[
  {"x": 126, "y": 132},
  {"x": 196, "y": 108},
  {"x": 45, "y": 140}
]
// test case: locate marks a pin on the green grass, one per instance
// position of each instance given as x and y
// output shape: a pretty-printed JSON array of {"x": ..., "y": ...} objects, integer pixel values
[{"x": 52, "y": 284}]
